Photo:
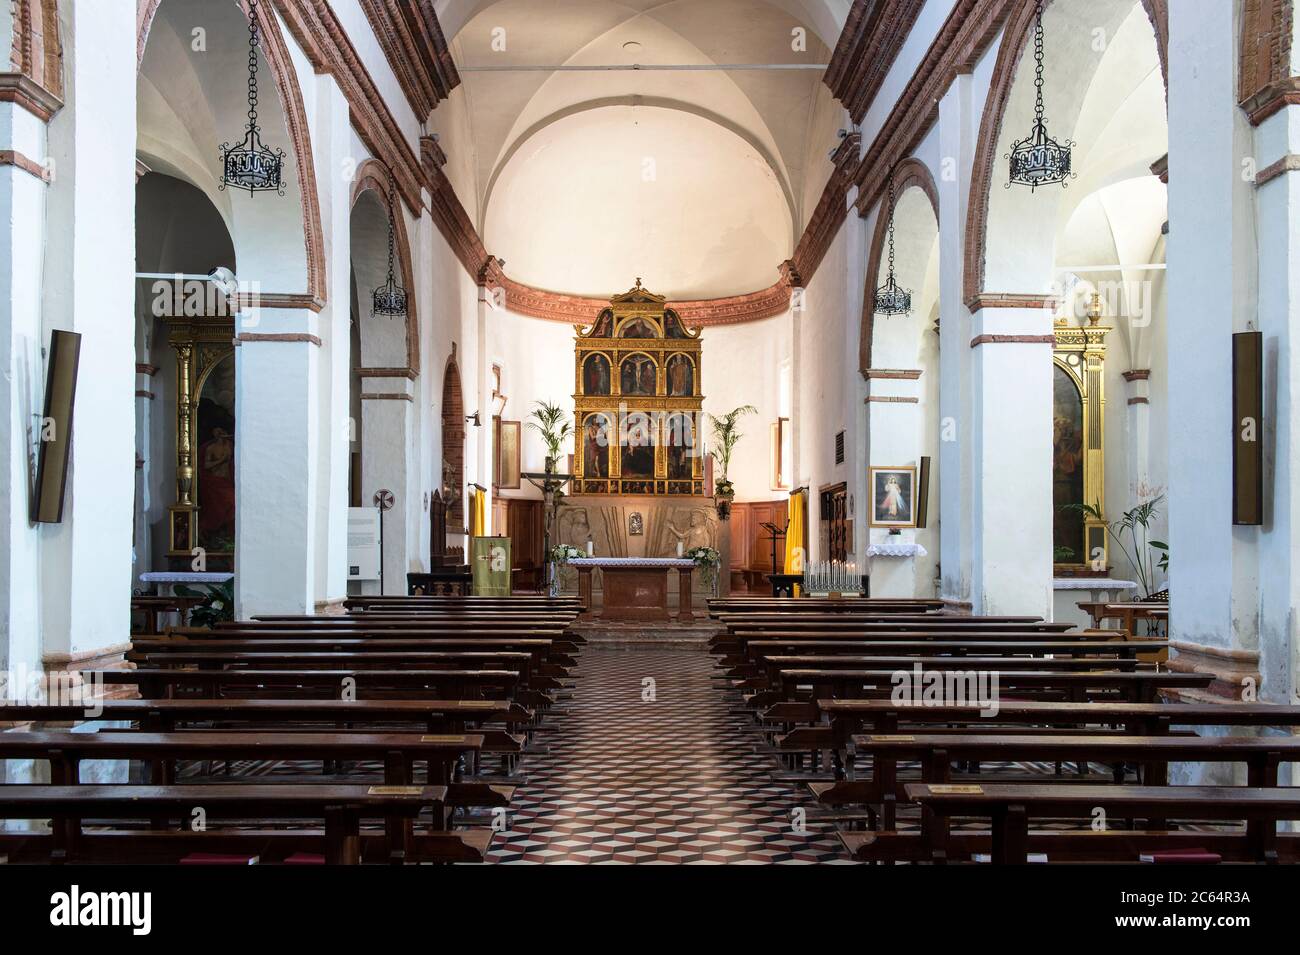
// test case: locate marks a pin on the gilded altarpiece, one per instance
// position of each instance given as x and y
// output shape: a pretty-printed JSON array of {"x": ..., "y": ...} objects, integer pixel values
[
  {"x": 203, "y": 516},
  {"x": 1079, "y": 446},
  {"x": 637, "y": 401}
]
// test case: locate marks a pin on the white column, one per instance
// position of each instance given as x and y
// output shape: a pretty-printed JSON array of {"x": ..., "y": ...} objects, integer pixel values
[
  {"x": 277, "y": 374},
  {"x": 22, "y": 236},
  {"x": 1278, "y": 208},
  {"x": 1011, "y": 434},
  {"x": 89, "y": 287},
  {"x": 1138, "y": 445},
  {"x": 332, "y": 144},
  {"x": 957, "y": 134},
  {"x": 387, "y": 410},
  {"x": 1211, "y": 252}
]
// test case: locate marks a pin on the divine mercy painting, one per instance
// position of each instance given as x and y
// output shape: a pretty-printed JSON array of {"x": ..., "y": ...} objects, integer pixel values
[{"x": 215, "y": 460}]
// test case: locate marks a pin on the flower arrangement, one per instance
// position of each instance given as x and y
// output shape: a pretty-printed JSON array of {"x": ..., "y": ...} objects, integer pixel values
[
  {"x": 708, "y": 560},
  {"x": 704, "y": 556},
  {"x": 561, "y": 554}
]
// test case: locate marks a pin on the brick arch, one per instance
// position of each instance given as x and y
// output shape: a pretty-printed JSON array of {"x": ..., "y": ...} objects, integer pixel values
[
  {"x": 37, "y": 44},
  {"x": 453, "y": 445},
  {"x": 1264, "y": 82},
  {"x": 373, "y": 176},
  {"x": 295, "y": 118},
  {"x": 911, "y": 173},
  {"x": 1015, "y": 40}
]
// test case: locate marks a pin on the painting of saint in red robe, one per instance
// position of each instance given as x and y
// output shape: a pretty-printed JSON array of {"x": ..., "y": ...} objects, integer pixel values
[{"x": 214, "y": 459}]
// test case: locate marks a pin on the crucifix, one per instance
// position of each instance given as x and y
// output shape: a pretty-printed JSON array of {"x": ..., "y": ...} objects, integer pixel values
[{"x": 551, "y": 485}]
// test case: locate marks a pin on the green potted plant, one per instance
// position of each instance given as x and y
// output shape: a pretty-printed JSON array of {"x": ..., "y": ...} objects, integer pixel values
[
  {"x": 216, "y": 603},
  {"x": 551, "y": 422},
  {"x": 726, "y": 434},
  {"x": 1131, "y": 534}
]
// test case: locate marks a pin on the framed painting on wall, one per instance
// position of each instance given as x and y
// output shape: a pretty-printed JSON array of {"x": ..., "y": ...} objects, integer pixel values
[
  {"x": 893, "y": 496},
  {"x": 508, "y": 452}
]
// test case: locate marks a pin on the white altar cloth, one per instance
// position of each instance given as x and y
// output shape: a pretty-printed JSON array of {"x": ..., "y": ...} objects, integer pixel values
[{"x": 680, "y": 563}]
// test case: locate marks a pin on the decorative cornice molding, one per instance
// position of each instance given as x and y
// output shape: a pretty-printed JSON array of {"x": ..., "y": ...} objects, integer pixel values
[
  {"x": 892, "y": 400},
  {"x": 254, "y": 300},
  {"x": 1272, "y": 99},
  {"x": 1010, "y": 300},
  {"x": 910, "y": 374},
  {"x": 412, "y": 40},
  {"x": 385, "y": 396},
  {"x": 142, "y": 368},
  {"x": 1288, "y": 163},
  {"x": 1139, "y": 400},
  {"x": 1137, "y": 374},
  {"x": 1012, "y": 340},
  {"x": 22, "y": 90},
  {"x": 12, "y": 157},
  {"x": 283, "y": 338},
  {"x": 874, "y": 32},
  {"x": 386, "y": 373}
]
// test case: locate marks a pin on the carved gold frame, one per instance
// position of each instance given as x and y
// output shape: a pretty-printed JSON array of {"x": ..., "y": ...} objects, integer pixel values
[
  {"x": 637, "y": 303},
  {"x": 1080, "y": 351},
  {"x": 200, "y": 343}
]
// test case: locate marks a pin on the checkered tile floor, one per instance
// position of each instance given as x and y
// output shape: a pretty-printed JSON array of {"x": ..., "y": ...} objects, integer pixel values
[{"x": 675, "y": 779}]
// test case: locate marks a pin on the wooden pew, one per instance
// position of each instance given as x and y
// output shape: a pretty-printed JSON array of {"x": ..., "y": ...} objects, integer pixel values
[
  {"x": 165, "y": 715},
  {"x": 341, "y": 808},
  {"x": 1138, "y": 687},
  {"x": 1151, "y": 754},
  {"x": 456, "y": 684},
  {"x": 299, "y": 715},
  {"x": 868, "y": 605},
  {"x": 541, "y": 652},
  {"x": 1010, "y": 809}
]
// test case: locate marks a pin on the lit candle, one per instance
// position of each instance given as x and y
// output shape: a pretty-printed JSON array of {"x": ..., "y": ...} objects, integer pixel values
[
  {"x": 681, "y": 548},
  {"x": 591, "y": 547}
]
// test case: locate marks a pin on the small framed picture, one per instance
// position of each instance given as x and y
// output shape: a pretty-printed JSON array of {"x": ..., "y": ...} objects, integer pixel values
[{"x": 893, "y": 497}]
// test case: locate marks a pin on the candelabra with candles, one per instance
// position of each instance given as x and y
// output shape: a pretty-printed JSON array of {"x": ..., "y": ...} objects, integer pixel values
[{"x": 828, "y": 578}]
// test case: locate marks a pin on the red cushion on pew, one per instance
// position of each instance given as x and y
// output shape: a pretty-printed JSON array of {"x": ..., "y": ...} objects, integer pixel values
[
  {"x": 213, "y": 858},
  {"x": 1181, "y": 857},
  {"x": 305, "y": 858}
]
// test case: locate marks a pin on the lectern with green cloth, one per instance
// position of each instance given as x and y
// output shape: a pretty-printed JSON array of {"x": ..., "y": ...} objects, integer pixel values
[{"x": 490, "y": 564}]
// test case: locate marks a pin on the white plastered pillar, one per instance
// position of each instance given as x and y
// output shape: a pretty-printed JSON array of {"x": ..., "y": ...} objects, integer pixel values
[
  {"x": 957, "y": 135},
  {"x": 88, "y": 285},
  {"x": 1214, "y": 566},
  {"x": 1011, "y": 457}
]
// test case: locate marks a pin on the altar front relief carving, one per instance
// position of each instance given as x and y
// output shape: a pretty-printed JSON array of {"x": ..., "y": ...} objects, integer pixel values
[{"x": 607, "y": 523}]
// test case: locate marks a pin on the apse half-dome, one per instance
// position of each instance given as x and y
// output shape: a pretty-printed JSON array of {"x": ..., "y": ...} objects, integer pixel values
[{"x": 615, "y": 191}]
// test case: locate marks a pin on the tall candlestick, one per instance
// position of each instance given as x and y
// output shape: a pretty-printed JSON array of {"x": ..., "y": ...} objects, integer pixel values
[{"x": 591, "y": 547}]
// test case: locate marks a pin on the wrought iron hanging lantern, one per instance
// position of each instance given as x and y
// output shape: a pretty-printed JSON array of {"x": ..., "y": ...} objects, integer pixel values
[
  {"x": 891, "y": 298},
  {"x": 251, "y": 164},
  {"x": 390, "y": 298},
  {"x": 1038, "y": 159}
]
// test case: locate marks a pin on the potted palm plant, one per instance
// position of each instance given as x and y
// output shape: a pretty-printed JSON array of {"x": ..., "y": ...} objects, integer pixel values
[
  {"x": 726, "y": 434},
  {"x": 551, "y": 422}
]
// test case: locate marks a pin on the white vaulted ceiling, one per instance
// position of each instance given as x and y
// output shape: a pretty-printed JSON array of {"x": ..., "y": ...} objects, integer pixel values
[{"x": 692, "y": 179}]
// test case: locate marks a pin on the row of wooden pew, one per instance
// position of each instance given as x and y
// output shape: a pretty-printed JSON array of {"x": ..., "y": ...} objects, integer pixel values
[
  {"x": 410, "y": 714},
  {"x": 925, "y": 736}
]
